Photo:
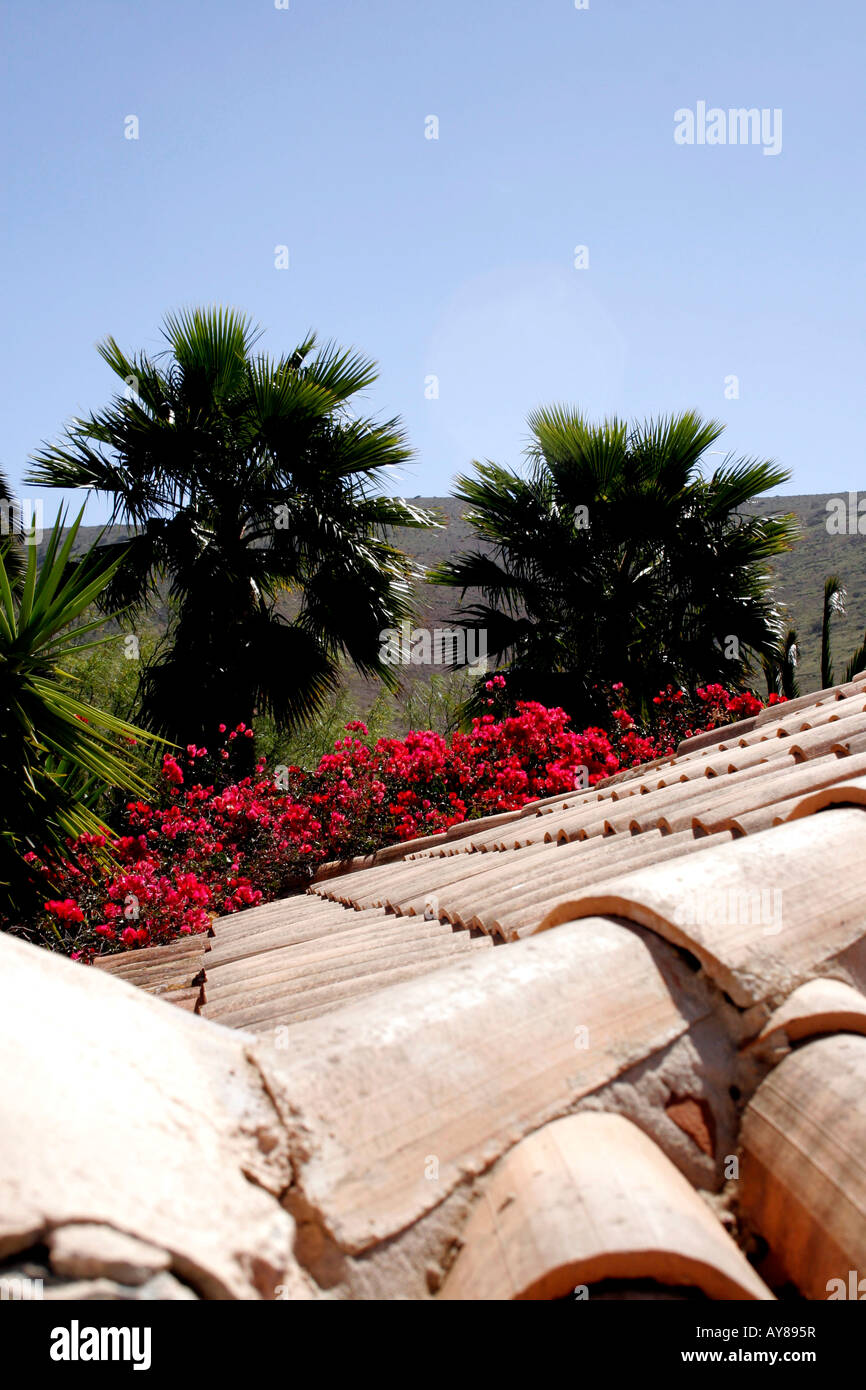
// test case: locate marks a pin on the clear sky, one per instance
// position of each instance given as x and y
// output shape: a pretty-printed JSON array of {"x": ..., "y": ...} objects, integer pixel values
[{"x": 452, "y": 257}]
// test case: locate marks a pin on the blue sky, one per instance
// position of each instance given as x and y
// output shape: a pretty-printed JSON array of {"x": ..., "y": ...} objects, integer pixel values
[{"x": 453, "y": 257}]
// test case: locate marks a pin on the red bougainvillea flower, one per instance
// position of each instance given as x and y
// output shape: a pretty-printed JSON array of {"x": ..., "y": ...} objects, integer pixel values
[
  {"x": 199, "y": 850},
  {"x": 171, "y": 770},
  {"x": 65, "y": 911}
]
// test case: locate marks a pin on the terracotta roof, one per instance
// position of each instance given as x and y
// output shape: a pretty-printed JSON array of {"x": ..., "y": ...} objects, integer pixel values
[
  {"x": 175, "y": 972},
  {"x": 618, "y": 1035}
]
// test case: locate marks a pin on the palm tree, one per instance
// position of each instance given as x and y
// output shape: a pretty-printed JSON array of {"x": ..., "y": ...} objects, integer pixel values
[
  {"x": 835, "y": 595},
  {"x": 54, "y": 748},
  {"x": 613, "y": 558},
  {"x": 780, "y": 669},
  {"x": 857, "y": 662},
  {"x": 834, "y": 602},
  {"x": 246, "y": 479}
]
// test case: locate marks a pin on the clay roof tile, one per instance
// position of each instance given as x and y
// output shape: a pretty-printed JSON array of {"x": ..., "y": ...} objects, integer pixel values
[{"x": 589, "y": 1198}]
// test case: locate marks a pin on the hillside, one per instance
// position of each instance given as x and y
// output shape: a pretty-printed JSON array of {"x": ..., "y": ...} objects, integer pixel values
[{"x": 799, "y": 576}]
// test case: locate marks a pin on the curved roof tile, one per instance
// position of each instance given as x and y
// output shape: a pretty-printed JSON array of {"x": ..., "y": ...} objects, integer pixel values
[
  {"x": 819, "y": 1006},
  {"x": 589, "y": 1198},
  {"x": 803, "y": 1166}
]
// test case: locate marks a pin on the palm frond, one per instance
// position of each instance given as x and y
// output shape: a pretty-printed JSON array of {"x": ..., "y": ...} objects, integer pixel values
[
  {"x": 857, "y": 662},
  {"x": 834, "y": 603}
]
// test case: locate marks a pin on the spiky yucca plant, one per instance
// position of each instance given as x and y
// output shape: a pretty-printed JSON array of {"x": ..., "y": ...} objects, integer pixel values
[{"x": 54, "y": 748}]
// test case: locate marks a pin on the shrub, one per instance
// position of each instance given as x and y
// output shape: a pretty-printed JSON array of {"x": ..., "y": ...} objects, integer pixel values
[{"x": 199, "y": 849}]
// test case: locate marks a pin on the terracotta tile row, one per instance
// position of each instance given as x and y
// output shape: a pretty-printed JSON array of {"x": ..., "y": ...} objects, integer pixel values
[
  {"x": 311, "y": 957},
  {"x": 514, "y": 891},
  {"x": 761, "y": 914},
  {"x": 175, "y": 972}
]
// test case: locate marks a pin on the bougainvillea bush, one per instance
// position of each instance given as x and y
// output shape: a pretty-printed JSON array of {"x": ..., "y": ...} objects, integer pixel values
[
  {"x": 200, "y": 848},
  {"x": 676, "y": 716}
]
